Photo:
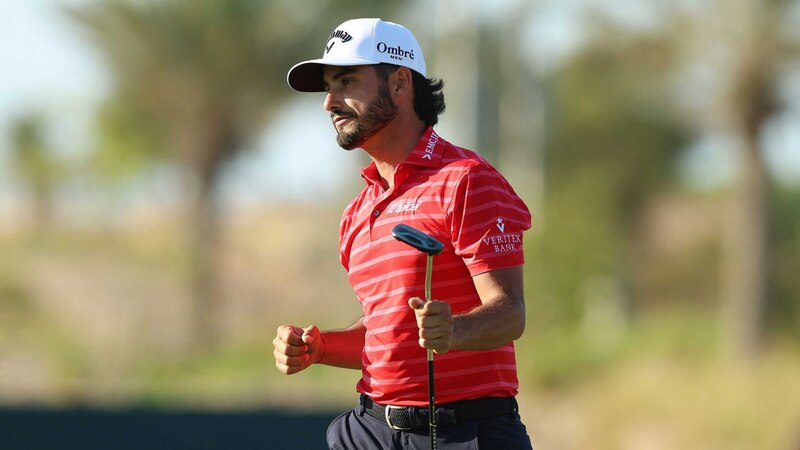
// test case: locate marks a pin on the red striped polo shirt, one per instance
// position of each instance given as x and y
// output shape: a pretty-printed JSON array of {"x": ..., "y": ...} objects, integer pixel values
[{"x": 459, "y": 198}]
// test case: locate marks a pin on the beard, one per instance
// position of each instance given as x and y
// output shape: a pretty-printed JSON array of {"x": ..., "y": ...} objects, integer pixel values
[{"x": 378, "y": 114}]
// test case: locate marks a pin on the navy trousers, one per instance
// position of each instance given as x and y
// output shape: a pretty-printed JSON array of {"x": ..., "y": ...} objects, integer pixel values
[{"x": 357, "y": 430}]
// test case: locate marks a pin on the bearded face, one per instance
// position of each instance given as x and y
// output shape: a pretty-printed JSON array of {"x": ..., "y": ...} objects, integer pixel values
[{"x": 362, "y": 127}]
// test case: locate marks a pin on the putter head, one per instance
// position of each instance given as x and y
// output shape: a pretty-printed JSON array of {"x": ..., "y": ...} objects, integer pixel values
[{"x": 421, "y": 241}]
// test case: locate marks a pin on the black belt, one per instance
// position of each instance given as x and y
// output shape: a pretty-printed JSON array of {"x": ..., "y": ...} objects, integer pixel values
[{"x": 411, "y": 418}]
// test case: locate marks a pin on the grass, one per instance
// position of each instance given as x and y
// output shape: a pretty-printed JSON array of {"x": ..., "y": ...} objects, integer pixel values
[
  {"x": 659, "y": 382},
  {"x": 242, "y": 376},
  {"x": 664, "y": 386}
]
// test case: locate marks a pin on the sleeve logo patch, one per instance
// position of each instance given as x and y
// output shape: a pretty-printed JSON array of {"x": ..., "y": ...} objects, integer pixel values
[
  {"x": 504, "y": 242},
  {"x": 500, "y": 225}
]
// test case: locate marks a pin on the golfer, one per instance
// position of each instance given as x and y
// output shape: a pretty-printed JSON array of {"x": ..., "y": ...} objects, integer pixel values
[{"x": 379, "y": 99}]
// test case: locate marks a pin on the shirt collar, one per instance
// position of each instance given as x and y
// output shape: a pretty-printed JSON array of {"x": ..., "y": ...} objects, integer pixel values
[{"x": 427, "y": 153}]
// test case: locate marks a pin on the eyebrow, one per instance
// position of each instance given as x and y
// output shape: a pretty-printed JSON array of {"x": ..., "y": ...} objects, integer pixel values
[{"x": 342, "y": 72}]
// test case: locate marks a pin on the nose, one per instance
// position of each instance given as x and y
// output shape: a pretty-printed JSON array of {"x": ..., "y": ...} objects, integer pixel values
[{"x": 331, "y": 102}]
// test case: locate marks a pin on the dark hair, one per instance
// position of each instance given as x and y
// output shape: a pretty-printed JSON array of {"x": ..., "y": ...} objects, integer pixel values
[{"x": 428, "y": 96}]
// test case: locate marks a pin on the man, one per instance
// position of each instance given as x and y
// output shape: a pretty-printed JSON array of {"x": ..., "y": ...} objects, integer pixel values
[{"x": 379, "y": 99}]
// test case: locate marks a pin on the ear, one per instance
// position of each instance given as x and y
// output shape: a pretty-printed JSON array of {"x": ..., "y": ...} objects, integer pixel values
[{"x": 401, "y": 85}]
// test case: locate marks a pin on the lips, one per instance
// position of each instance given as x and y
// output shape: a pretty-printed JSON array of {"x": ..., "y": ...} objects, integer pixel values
[{"x": 340, "y": 120}]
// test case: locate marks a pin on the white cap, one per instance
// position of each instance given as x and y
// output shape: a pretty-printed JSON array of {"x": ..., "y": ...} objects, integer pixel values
[{"x": 360, "y": 42}]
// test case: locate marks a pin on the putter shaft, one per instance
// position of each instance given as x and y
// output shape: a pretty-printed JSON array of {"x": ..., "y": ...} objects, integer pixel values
[
  {"x": 432, "y": 246},
  {"x": 432, "y": 425}
]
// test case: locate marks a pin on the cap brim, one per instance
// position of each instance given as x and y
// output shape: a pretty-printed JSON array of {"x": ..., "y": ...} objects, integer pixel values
[{"x": 307, "y": 75}]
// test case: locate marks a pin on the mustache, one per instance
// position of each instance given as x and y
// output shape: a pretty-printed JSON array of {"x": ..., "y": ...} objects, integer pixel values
[{"x": 341, "y": 113}]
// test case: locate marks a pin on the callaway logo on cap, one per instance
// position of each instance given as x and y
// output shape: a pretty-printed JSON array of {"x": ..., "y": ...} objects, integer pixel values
[{"x": 360, "y": 42}]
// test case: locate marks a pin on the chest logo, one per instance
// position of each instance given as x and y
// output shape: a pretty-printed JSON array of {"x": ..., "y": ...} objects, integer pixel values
[{"x": 403, "y": 206}]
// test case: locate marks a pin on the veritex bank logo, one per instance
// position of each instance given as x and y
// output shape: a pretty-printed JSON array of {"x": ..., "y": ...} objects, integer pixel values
[
  {"x": 503, "y": 242},
  {"x": 500, "y": 225},
  {"x": 342, "y": 35}
]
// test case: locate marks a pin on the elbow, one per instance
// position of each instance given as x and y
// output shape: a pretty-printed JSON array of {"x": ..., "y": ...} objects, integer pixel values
[{"x": 518, "y": 325}]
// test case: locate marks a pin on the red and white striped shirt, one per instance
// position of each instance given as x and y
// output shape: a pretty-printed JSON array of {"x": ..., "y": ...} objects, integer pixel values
[{"x": 459, "y": 198}]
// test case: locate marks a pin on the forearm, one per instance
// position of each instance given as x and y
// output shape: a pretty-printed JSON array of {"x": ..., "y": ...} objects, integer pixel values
[
  {"x": 490, "y": 325},
  {"x": 343, "y": 348}
]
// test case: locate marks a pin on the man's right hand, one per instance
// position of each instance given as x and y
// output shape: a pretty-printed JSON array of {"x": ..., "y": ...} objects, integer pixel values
[{"x": 297, "y": 348}]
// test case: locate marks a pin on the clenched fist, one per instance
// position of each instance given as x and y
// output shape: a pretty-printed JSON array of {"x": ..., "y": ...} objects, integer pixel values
[
  {"x": 297, "y": 348},
  {"x": 435, "y": 323}
]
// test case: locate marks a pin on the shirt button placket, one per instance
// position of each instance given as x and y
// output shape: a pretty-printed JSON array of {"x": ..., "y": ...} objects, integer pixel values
[{"x": 374, "y": 216}]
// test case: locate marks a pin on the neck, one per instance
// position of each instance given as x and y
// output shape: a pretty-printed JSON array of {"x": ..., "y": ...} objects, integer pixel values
[{"x": 392, "y": 145}]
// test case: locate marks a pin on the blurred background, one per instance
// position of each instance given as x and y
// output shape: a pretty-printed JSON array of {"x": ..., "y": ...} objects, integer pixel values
[{"x": 166, "y": 201}]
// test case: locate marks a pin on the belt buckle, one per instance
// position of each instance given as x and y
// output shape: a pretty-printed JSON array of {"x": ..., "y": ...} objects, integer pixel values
[{"x": 388, "y": 418}]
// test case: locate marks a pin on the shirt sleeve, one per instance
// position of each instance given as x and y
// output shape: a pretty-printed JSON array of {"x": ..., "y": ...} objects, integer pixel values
[{"x": 487, "y": 220}]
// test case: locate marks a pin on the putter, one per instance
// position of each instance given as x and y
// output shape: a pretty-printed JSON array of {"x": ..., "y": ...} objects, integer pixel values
[{"x": 431, "y": 246}]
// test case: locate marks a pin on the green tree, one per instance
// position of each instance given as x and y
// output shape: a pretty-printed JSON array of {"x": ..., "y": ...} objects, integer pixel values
[
  {"x": 748, "y": 46},
  {"x": 195, "y": 83},
  {"x": 611, "y": 141},
  {"x": 784, "y": 257},
  {"x": 34, "y": 161}
]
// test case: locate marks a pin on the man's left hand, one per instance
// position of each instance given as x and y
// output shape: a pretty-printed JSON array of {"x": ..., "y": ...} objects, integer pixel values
[{"x": 435, "y": 323}]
